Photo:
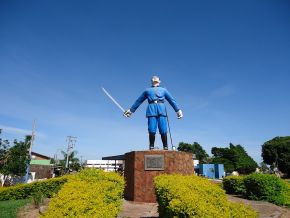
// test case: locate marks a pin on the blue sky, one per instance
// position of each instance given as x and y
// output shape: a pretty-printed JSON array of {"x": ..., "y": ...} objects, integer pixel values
[{"x": 227, "y": 63}]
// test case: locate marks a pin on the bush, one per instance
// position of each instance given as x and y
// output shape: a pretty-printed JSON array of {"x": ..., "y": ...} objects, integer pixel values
[
  {"x": 37, "y": 198},
  {"x": 234, "y": 185},
  {"x": 90, "y": 193},
  {"x": 268, "y": 188},
  {"x": 192, "y": 196},
  {"x": 46, "y": 187}
]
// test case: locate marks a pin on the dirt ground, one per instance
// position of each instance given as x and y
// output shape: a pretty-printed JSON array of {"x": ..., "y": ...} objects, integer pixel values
[
  {"x": 137, "y": 209},
  {"x": 30, "y": 211}
]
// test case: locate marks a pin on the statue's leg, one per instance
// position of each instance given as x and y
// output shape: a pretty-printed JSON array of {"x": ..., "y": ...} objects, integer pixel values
[
  {"x": 162, "y": 126},
  {"x": 151, "y": 140},
  {"x": 152, "y": 127},
  {"x": 164, "y": 141}
]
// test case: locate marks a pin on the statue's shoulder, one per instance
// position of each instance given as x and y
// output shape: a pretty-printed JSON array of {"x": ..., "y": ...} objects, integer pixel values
[
  {"x": 153, "y": 89},
  {"x": 162, "y": 88},
  {"x": 149, "y": 89}
]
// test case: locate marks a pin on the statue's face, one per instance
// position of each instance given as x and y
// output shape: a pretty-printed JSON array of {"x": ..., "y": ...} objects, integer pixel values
[{"x": 155, "y": 83}]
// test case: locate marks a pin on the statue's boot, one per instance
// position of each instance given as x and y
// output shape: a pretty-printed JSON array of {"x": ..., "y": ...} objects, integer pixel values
[
  {"x": 151, "y": 140},
  {"x": 164, "y": 141}
]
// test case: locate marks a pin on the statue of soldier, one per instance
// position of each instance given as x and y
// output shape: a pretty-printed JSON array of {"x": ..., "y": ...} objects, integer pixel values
[{"x": 156, "y": 110}]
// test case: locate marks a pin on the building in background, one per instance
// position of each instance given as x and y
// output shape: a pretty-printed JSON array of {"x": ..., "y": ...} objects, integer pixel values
[
  {"x": 211, "y": 171},
  {"x": 195, "y": 166},
  {"x": 40, "y": 167},
  {"x": 106, "y": 165}
]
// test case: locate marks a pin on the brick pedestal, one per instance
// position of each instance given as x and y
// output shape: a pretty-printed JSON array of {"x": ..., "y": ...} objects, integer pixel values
[{"x": 139, "y": 181}]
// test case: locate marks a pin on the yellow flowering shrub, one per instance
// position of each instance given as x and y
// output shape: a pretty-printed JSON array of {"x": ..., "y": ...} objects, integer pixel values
[
  {"x": 193, "y": 196},
  {"x": 91, "y": 193}
]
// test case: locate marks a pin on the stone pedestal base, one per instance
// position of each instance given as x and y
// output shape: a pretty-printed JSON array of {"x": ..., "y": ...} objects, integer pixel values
[{"x": 142, "y": 166}]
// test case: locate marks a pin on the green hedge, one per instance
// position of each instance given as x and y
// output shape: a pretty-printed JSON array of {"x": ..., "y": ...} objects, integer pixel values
[
  {"x": 47, "y": 187},
  {"x": 90, "y": 193},
  {"x": 268, "y": 188},
  {"x": 234, "y": 185},
  {"x": 192, "y": 196}
]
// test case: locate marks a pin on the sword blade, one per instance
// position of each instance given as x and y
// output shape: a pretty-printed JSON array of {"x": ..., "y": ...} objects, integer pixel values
[{"x": 113, "y": 100}]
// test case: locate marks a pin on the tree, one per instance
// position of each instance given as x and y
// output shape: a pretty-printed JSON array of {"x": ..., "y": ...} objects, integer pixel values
[
  {"x": 196, "y": 149},
  {"x": 74, "y": 163},
  {"x": 276, "y": 152},
  {"x": 234, "y": 158},
  {"x": 4, "y": 148},
  {"x": 14, "y": 160}
]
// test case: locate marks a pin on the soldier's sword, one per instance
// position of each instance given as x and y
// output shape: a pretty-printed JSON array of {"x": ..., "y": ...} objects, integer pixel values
[{"x": 113, "y": 100}]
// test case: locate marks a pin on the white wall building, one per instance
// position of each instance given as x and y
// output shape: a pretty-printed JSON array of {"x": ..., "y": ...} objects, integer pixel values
[
  {"x": 195, "y": 163},
  {"x": 106, "y": 165}
]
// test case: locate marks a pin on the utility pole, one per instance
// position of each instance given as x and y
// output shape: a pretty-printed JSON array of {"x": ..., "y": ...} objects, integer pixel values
[
  {"x": 0, "y": 136},
  {"x": 32, "y": 137},
  {"x": 70, "y": 145},
  {"x": 30, "y": 150},
  {"x": 81, "y": 160}
]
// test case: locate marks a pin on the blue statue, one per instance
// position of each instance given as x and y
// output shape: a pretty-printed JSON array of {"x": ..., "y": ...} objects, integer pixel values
[{"x": 156, "y": 110}]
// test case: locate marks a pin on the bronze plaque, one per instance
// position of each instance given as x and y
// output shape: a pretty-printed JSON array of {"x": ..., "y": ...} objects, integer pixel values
[{"x": 154, "y": 162}]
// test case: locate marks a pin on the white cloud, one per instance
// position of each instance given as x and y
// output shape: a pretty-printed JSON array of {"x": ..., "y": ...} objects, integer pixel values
[
  {"x": 17, "y": 131},
  {"x": 223, "y": 91},
  {"x": 199, "y": 102},
  {"x": 14, "y": 130}
]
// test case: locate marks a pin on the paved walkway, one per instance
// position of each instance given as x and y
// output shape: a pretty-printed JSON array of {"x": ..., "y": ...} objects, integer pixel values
[
  {"x": 265, "y": 209},
  {"x": 135, "y": 210},
  {"x": 146, "y": 210}
]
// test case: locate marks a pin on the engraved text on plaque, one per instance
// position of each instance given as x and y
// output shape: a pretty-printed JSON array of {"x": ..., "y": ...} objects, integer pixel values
[{"x": 154, "y": 162}]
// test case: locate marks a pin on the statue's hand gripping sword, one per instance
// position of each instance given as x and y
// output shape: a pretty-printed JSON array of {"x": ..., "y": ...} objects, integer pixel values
[{"x": 113, "y": 100}]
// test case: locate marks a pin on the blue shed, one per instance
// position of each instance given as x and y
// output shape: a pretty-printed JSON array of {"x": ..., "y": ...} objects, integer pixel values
[
  {"x": 219, "y": 171},
  {"x": 207, "y": 170},
  {"x": 212, "y": 171}
]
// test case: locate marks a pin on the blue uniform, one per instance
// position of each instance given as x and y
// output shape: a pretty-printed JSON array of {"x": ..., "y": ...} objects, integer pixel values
[{"x": 156, "y": 111}]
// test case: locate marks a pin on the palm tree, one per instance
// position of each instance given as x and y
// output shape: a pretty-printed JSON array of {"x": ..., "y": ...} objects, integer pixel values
[{"x": 73, "y": 161}]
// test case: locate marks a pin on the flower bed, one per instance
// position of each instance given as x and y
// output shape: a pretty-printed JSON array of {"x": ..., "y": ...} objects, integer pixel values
[
  {"x": 192, "y": 196},
  {"x": 90, "y": 193}
]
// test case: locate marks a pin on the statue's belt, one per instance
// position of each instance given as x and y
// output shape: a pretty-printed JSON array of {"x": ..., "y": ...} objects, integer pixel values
[{"x": 156, "y": 101}]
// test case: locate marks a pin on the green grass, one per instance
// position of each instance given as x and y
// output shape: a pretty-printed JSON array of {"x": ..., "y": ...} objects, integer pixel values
[{"x": 8, "y": 209}]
